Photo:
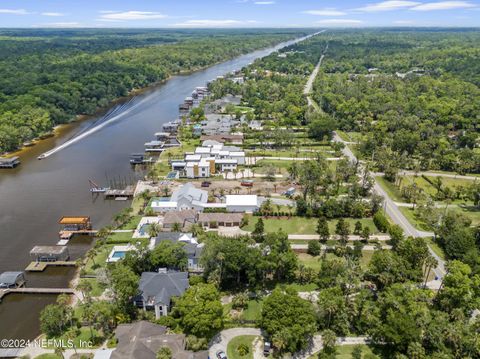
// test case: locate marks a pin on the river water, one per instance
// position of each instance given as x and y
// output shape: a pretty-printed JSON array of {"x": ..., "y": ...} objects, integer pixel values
[{"x": 37, "y": 193}]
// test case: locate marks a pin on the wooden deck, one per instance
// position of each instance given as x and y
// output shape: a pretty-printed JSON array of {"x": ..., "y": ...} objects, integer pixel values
[
  {"x": 4, "y": 292},
  {"x": 70, "y": 234},
  {"x": 41, "y": 266}
]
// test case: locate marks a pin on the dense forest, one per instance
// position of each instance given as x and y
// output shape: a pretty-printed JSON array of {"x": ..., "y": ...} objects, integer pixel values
[
  {"x": 411, "y": 99},
  {"x": 47, "y": 77},
  {"x": 413, "y": 96}
]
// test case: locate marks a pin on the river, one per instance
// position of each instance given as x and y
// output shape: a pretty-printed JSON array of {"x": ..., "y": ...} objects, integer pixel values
[{"x": 36, "y": 194}]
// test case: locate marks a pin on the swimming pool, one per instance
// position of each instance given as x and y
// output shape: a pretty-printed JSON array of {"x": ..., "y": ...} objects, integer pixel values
[{"x": 119, "y": 254}]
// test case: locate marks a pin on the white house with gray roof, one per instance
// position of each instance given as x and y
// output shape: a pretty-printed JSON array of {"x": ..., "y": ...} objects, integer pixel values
[{"x": 157, "y": 289}]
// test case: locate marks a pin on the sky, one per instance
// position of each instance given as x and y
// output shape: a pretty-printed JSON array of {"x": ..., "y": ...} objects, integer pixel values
[{"x": 237, "y": 13}]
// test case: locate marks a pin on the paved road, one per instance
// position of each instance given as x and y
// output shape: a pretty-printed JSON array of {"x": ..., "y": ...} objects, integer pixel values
[
  {"x": 221, "y": 340},
  {"x": 395, "y": 214},
  {"x": 435, "y": 174},
  {"x": 368, "y": 247},
  {"x": 312, "y": 237}
]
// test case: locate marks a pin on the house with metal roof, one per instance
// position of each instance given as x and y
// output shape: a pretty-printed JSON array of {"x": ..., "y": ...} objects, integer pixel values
[{"x": 157, "y": 290}]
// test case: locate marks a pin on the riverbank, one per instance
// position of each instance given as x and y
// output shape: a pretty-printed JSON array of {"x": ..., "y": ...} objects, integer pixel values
[{"x": 37, "y": 193}]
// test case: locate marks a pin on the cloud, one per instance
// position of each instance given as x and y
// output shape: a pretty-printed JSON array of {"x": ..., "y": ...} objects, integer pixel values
[
  {"x": 340, "y": 22},
  {"x": 443, "y": 5},
  {"x": 14, "y": 11},
  {"x": 131, "y": 15},
  {"x": 52, "y": 14},
  {"x": 388, "y": 6},
  {"x": 211, "y": 23},
  {"x": 325, "y": 12},
  {"x": 264, "y": 2}
]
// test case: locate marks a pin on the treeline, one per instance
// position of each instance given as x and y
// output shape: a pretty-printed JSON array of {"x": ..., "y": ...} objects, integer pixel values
[
  {"x": 413, "y": 96},
  {"x": 274, "y": 84},
  {"x": 46, "y": 87}
]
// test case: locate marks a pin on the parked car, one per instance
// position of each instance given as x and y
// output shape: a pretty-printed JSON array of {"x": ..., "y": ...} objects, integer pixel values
[
  {"x": 247, "y": 183},
  {"x": 221, "y": 355},
  {"x": 206, "y": 184},
  {"x": 267, "y": 347}
]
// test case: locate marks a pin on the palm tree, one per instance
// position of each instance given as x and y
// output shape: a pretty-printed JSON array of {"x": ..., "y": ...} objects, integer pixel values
[
  {"x": 176, "y": 227},
  {"x": 153, "y": 230}
]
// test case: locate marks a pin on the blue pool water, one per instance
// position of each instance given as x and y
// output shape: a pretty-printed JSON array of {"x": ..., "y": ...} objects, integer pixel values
[{"x": 119, "y": 254}]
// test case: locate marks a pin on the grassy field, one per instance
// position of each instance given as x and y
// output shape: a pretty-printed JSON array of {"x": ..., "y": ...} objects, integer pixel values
[
  {"x": 301, "y": 225},
  {"x": 392, "y": 191},
  {"x": 315, "y": 262},
  {"x": 232, "y": 347},
  {"x": 345, "y": 351}
]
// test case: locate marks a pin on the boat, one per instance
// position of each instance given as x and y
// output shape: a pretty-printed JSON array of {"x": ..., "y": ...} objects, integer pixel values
[{"x": 42, "y": 156}]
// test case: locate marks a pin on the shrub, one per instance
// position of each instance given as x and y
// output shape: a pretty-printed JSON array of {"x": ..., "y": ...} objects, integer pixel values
[
  {"x": 381, "y": 222},
  {"x": 314, "y": 248},
  {"x": 243, "y": 349}
]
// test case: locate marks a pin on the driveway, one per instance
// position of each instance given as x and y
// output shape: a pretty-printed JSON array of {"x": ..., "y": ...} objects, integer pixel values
[{"x": 221, "y": 340}]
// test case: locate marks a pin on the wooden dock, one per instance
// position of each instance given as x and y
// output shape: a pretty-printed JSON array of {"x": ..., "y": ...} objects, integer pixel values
[
  {"x": 41, "y": 266},
  {"x": 127, "y": 192},
  {"x": 69, "y": 234},
  {"x": 4, "y": 292}
]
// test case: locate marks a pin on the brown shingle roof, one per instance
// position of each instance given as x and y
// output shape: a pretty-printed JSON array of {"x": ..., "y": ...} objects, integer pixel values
[
  {"x": 220, "y": 217},
  {"x": 180, "y": 217}
]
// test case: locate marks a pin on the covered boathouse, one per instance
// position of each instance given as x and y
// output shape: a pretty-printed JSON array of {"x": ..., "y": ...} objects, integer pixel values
[{"x": 11, "y": 162}]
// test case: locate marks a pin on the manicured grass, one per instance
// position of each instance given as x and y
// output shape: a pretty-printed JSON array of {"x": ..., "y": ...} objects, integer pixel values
[
  {"x": 413, "y": 219},
  {"x": 436, "y": 248},
  {"x": 253, "y": 310},
  {"x": 120, "y": 237},
  {"x": 345, "y": 351},
  {"x": 232, "y": 346},
  {"x": 309, "y": 261},
  {"x": 316, "y": 263},
  {"x": 468, "y": 211},
  {"x": 301, "y": 225},
  {"x": 392, "y": 191},
  {"x": 132, "y": 223},
  {"x": 48, "y": 356}
]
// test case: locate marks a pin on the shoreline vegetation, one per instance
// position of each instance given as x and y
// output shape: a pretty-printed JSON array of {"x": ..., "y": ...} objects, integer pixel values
[{"x": 70, "y": 91}]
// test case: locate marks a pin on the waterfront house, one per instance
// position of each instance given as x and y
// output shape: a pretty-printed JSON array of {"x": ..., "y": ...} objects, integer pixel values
[
  {"x": 184, "y": 218},
  {"x": 12, "y": 279},
  {"x": 158, "y": 288},
  {"x": 213, "y": 220},
  {"x": 207, "y": 160},
  {"x": 189, "y": 197},
  {"x": 143, "y": 340},
  {"x": 50, "y": 253},
  {"x": 186, "y": 197}
]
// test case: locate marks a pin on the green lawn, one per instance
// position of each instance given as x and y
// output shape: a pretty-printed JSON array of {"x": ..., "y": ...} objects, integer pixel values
[
  {"x": 345, "y": 351},
  {"x": 301, "y": 225},
  {"x": 48, "y": 356},
  {"x": 315, "y": 262},
  {"x": 253, "y": 310},
  {"x": 436, "y": 248},
  {"x": 392, "y": 191},
  {"x": 232, "y": 347}
]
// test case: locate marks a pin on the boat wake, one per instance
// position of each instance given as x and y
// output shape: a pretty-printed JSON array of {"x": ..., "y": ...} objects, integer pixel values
[{"x": 114, "y": 115}]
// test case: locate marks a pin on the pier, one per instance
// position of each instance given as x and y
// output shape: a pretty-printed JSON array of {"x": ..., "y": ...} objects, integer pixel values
[
  {"x": 4, "y": 292},
  {"x": 41, "y": 266},
  {"x": 114, "y": 193}
]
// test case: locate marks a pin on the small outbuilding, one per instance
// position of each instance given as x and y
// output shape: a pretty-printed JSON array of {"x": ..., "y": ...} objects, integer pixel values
[{"x": 242, "y": 203}]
